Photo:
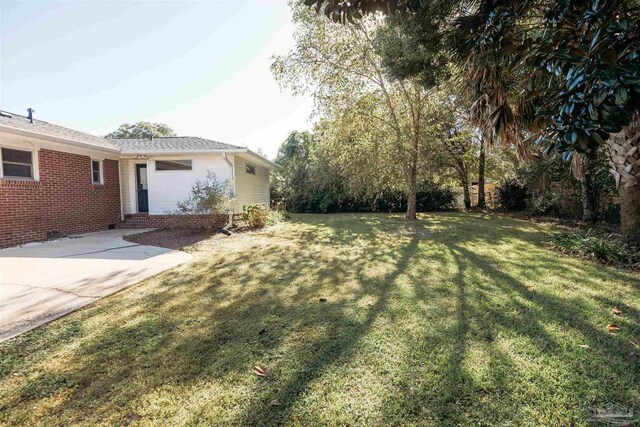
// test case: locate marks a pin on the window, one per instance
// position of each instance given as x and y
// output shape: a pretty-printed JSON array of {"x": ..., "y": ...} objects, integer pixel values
[
  {"x": 96, "y": 171},
  {"x": 173, "y": 165},
  {"x": 250, "y": 169},
  {"x": 16, "y": 163}
]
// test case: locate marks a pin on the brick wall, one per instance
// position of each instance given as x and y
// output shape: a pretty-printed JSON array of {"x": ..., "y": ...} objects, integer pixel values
[
  {"x": 175, "y": 221},
  {"x": 64, "y": 200}
]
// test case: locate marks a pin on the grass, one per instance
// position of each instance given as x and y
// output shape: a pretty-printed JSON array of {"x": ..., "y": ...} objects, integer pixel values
[{"x": 452, "y": 320}]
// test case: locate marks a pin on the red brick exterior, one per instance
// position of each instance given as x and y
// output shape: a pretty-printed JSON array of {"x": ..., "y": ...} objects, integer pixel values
[
  {"x": 64, "y": 200},
  {"x": 175, "y": 221}
]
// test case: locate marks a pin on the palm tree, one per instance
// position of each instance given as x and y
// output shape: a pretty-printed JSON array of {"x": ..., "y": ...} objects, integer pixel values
[{"x": 624, "y": 154}]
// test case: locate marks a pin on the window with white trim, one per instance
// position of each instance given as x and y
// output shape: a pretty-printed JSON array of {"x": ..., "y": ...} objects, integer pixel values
[
  {"x": 16, "y": 164},
  {"x": 96, "y": 171}
]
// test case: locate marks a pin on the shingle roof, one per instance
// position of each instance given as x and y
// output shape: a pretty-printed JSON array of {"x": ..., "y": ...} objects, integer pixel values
[
  {"x": 170, "y": 144},
  {"x": 22, "y": 123},
  {"x": 125, "y": 145}
]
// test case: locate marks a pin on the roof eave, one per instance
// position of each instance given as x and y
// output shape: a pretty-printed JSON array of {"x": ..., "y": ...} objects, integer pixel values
[
  {"x": 174, "y": 152},
  {"x": 24, "y": 132},
  {"x": 257, "y": 156}
]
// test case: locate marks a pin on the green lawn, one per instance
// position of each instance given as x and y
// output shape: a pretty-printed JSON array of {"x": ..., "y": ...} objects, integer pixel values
[{"x": 425, "y": 323}]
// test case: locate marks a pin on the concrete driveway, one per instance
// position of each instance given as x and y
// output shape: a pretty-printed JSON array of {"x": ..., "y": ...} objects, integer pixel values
[{"x": 39, "y": 283}]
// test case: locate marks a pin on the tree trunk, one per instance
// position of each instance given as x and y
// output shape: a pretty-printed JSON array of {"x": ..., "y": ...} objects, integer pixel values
[
  {"x": 412, "y": 174},
  {"x": 467, "y": 194},
  {"x": 464, "y": 180},
  {"x": 481, "y": 200},
  {"x": 624, "y": 156},
  {"x": 411, "y": 194},
  {"x": 590, "y": 190}
]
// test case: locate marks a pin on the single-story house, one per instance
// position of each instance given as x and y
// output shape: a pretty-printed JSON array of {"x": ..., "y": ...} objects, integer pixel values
[{"x": 58, "y": 181}]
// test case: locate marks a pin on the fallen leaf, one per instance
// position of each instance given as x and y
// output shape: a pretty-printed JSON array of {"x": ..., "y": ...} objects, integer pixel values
[
  {"x": 616, "y": 310},
  {"x": 323, "y": 300},
  {"x": 132, "y": 418},
  {"x": 274, "y": 402},
  {"x": 612, "y": 327},
  {"x": 259, "y": 371},
  {"x": 530, "y": 288}
]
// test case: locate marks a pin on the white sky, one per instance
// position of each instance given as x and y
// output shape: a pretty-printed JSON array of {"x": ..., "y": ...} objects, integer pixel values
[{"x": 202, "y": 66}]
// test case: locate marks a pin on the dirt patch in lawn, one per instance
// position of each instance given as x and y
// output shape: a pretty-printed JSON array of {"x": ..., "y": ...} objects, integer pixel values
[
  {"x": 200, "y": 240},
  {"x": 174, "y": 238}
]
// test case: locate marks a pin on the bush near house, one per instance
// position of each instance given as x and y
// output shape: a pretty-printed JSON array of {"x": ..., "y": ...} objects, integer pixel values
[
  {"x": 260, "y": 216},
  {"x": 208, "y": 196}
]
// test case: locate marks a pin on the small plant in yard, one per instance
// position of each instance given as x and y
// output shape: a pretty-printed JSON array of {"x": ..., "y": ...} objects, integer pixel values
[
  {"x": 259, "y": 216},
  {"x": 208, "y": 196},
  {"x": 609, "y": 249}
]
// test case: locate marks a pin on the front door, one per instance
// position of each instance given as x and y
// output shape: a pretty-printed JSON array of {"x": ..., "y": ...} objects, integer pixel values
[{"x": 141, "y": 185}]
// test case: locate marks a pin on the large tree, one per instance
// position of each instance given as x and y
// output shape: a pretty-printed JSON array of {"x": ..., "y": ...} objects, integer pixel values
[
  {"x": 579, "y": 59},
  {"x": 142, "y": 130},
  {"x": 342, "y": 69}
]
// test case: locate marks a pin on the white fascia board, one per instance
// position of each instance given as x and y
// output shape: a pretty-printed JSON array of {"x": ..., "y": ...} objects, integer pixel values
[
  {"x": 45, "y": 136},
  {"x": 128, "y": 153}
]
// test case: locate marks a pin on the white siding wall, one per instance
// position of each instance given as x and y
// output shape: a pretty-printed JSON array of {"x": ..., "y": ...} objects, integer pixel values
[
  {"x": 250, "y": 188},
  {"x": 166, "y": 188},
  {"x": 128, "y": 184}
]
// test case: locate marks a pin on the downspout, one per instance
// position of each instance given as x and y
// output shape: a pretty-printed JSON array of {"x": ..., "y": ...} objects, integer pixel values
[{"x": 233, "y": 178}]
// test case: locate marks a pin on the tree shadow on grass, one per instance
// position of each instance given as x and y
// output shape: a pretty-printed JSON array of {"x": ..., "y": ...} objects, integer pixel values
[
  {"x": 496, "y": 320},
  {"x": 441, "y": 294},
  {"x": 204, "y": 323},
  {"x": 333, "y": 349}
]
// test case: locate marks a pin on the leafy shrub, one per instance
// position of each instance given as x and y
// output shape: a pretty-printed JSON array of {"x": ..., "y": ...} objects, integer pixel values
[
  {"x": 431, "y": 197},
  {"x": 275, "y": 217},
  {"x": 553, "y": 190},
  {"x": 259, "y": 216},
  {"x": 609, "y": 249},
  {"x": 333, "y": 197},
  {"x": 512, "y": 196},
  {"x": 208, "y": 196},
  {"x": 546, "y": 205}
]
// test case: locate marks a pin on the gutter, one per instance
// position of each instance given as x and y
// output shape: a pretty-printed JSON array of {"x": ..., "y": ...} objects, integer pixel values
[
  {"x": 24, "y": 132},
  {"x": 231, "y": 168},
  {"x": 233, "y": 177}
]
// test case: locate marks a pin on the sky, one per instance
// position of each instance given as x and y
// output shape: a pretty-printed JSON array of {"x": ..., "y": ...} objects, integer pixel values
[{"x": 200, "y": 66}]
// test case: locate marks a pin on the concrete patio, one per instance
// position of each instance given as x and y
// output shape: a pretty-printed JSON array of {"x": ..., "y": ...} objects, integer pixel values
[{"x": 42, "y": 282}]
